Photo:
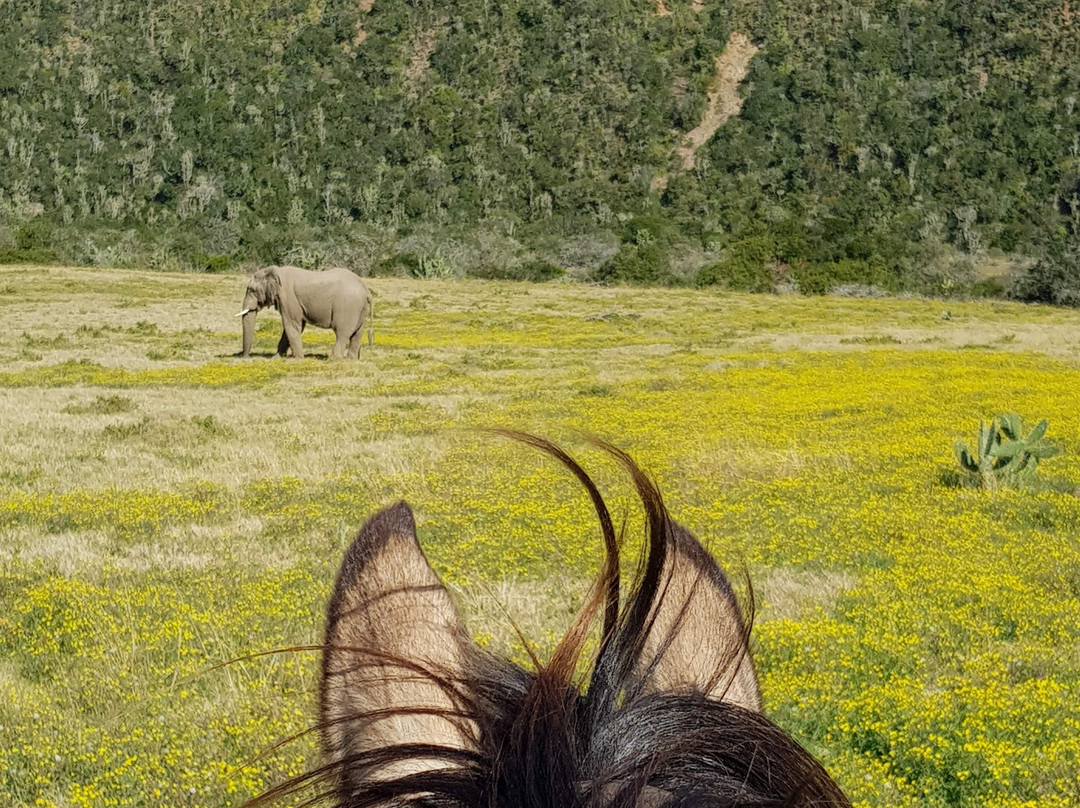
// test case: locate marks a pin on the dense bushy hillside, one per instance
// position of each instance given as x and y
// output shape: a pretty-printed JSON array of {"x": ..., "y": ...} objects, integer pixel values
[{"x": 881, "y": 141}]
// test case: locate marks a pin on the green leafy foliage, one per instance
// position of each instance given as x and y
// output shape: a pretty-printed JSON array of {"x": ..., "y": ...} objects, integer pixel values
[
  {"x": 33, "y": 244},
  {"x": 1004, "y": 455},
  {"x": 214, "y": 263},
  {"x": 537, "y": 271},
  {"x": 398, "y": 265},
  {"x": 1055, "y": 277},
  {"x": 745, "y": 267},
  {"x": 643, "y": 231},
  {"x": 821, "y": 279},
  {"x": 989, "y": 287},
  {"x": 874, "y": 139},
  {"x": 645, "y": 265}
]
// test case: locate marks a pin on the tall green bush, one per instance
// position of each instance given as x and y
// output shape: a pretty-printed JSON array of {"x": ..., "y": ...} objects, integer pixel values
[
  {"x": 644, "y": 265},
  {"x": 744, "y": 268}
]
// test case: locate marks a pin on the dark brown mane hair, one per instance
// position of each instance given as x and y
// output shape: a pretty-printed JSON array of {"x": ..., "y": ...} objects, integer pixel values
[{"x": 415, "y": 714}]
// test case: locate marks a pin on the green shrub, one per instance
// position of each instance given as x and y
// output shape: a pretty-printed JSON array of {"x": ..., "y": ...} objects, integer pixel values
[
  {"x": 34, "y": 235},
  {"x": 642, "y": 231},
  {"x": 989, "y": 287},
  {"x": 821, "y": 278},
  {"x": 434, "y": 265},
  {"x": 261, "y": 243},
  {"x": 736, "y": 276},
  {"x": 397, "y": 265},
  {"x": 13, "y": 255},
  {"x": 33, "y": 244},
  {"x": 744, "y": 268},
  {"x": 1054, "y": 278},
  {"x": 411, "y": 265},
  {"x": 306, "y": 257},
  {"x": 536, "y": 271},
  {"x": 213, "y": 264},
  {"x": 645, "y": 265}
]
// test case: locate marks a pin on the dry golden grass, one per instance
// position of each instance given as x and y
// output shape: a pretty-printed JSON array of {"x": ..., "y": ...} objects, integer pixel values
[
  {"x": 791, "y": 594},
  {"x": 506, "y": 613}
]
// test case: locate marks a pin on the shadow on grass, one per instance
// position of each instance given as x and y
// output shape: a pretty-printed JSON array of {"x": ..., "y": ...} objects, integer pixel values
[{"x": 322, "y": 357}]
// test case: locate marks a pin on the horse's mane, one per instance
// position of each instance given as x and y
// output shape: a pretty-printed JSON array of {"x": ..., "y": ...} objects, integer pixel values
[{"x": 541, "y": 738}]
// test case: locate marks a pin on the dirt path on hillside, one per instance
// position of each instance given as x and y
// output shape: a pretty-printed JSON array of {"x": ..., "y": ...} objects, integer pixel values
[
  {"x": 359, "y": 34},
  {"x": 724, "y": 100}
]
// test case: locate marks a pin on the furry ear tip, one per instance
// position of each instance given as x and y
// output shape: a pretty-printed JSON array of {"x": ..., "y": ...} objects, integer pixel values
[
  {"x": 394, "y": 518},
  {"x": 683, "y": 540},
  {"x": 392, "y": 522},
  {"x": 399, "y": 511}
]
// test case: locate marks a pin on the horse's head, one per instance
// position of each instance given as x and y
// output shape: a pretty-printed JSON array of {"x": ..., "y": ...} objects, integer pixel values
[{"x": 413, "y": 713}]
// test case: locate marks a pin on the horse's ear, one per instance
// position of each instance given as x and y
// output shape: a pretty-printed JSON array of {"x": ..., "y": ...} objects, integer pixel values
[
  {"x": 696, "y": 636},
  {"x": 393, "y": 659}
]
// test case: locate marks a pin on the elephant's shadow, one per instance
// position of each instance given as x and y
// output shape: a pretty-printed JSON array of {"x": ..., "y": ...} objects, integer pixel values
[{"x": 322, "y": 357}]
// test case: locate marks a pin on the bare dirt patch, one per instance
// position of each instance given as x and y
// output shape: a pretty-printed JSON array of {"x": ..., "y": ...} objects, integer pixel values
[
  {"x": 724, "y": 100},
  {"x": 359, "y": 34},
  {"x": 420, "y": 52}
]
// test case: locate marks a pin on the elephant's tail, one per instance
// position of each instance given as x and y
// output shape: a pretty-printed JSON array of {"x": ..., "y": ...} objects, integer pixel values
[{"x": 370, "y": 321}]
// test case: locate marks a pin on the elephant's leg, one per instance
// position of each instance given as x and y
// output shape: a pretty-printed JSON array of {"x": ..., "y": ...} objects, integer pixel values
[
  {"x": 341, "y": 344},
  {"x": 293, "y": 330},
  {"x": 283, "y": 343},
  {"x": 354, "y": 344}
]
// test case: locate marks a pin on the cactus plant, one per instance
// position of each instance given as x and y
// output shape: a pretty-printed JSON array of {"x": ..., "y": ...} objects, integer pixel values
[
  {"x": 434, "y": 265},
  {"x": 1005, "y": 455}
]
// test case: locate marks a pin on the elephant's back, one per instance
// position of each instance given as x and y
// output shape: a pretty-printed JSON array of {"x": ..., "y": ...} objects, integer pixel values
[{"x": 346, "y": 277}]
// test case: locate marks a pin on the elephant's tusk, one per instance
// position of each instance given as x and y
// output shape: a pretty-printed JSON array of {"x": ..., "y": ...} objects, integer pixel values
[{"x": 242, "y": 313}]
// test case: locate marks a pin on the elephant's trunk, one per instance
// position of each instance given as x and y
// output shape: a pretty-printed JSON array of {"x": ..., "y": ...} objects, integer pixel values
[{"x": 249, "y": 331}]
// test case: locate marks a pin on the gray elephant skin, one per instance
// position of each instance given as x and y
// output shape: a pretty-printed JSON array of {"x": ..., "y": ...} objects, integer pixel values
[{"x": 334, "y": 298}]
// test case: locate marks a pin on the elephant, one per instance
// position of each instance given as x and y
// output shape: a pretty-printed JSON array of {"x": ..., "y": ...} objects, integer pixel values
[{"x": 334, "y": 298}]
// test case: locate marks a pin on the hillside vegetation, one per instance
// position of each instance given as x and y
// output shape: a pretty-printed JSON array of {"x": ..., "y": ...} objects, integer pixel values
[
  {"x": 900, "y": 144},
  {"x": 165, "y": 509}
]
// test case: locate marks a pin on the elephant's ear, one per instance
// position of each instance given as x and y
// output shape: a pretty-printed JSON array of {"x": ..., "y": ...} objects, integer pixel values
[
  {"x": 393, "y": 661},
  {"x": 269, "y": 285},
  {"x": 696, "y": 637}
]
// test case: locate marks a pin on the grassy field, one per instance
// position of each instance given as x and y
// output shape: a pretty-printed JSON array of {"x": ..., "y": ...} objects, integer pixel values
[{"x": 165, "y": 508}]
